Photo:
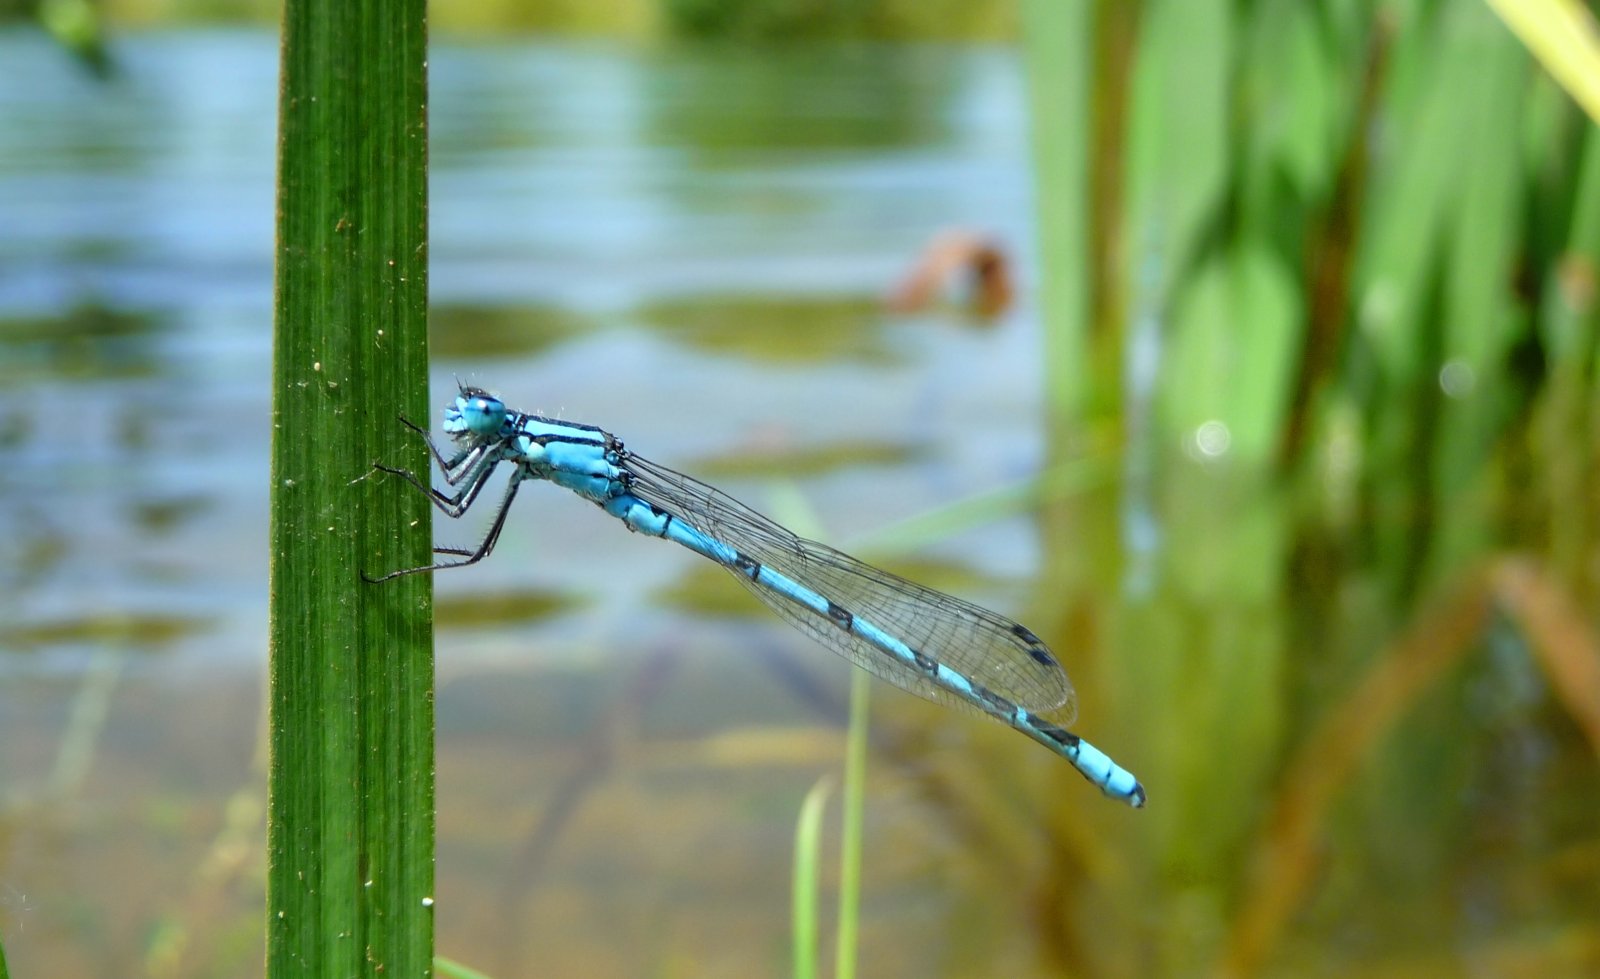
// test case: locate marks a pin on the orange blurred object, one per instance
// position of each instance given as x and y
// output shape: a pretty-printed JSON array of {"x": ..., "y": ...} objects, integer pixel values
[{"x": 987, "y": 289}]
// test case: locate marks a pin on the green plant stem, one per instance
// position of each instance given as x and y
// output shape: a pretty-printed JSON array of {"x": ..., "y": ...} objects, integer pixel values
[
  {"x": 803, "y": 907},
  {"x": 852, "y": 808},
  {"x": 1058, "y": 57},
  {"x": 350, "y": 824}
]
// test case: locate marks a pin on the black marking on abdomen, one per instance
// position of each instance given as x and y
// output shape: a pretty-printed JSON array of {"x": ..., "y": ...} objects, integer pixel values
[
  {"x": 749, "y": 567},
  {"x": 841, "y": 616},
  {"x": 994, "y": 700},
  {"x": 1036, "y": 647},
  {"x": 1057, "y": 734},
  {"x": 925, "y": 663}
]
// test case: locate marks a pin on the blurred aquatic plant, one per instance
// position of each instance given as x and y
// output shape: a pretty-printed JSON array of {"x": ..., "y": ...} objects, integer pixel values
[
  {"x": 1321, "y": 278},
  {"x": 807, "y": 850},
  {"x": 1288, "y": 854},
  {"x": 787, "y": 20},
  {"x": 76, "y": 25},
  {"x": 807, "y": 870},
  {"x": 1275, "y": 191},
  {"x": 1563, "y": 36}
]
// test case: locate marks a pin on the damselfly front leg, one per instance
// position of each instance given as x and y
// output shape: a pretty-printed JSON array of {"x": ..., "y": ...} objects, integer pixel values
[
  {"x": 454, "y": 470},
  {"x": 472, "y": 465},
  {"x": 452, "y": 506},
  {"x": 483, "y": 549}
]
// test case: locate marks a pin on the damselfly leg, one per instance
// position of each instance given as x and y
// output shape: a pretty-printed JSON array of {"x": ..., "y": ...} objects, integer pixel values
[
  {"x": 475, "y": 465},
  {"x": 455, "y": 469}
]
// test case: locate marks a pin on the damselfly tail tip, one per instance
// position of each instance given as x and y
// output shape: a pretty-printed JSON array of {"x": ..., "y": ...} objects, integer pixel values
[{"x": 1122, "y": 785}]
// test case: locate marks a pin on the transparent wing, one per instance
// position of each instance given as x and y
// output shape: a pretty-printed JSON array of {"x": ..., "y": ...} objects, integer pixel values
[{"x": 988, "y": 649}]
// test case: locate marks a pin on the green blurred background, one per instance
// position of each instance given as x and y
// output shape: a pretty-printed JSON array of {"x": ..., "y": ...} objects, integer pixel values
[{"x": 1286, "y": 442}]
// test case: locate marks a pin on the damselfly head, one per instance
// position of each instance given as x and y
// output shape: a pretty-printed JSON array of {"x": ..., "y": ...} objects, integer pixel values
[{"x": 475, "y": 414}]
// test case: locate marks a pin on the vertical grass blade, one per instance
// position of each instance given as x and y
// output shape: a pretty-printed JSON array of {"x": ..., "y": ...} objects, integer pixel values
[
  {"x": 852, "y": 816},
  {"x": 807, "y": 868},
  {"x": 350, "y": 830},
  {"x": 1055, "y": 43},
  {"x": 1562, "y": 35}
]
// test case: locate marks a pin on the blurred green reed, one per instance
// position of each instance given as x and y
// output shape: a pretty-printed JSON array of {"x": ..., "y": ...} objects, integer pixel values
[
  {"x": 350, "y": 821},
  {"x": 450, "y": 969},
  {"x": 806, "y": 894},
  {"x": 852, "y": 813},
  {"x": 1323, "y": 278}
]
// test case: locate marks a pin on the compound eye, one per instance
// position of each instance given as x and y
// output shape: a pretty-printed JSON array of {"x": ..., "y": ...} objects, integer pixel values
[{"x": 484, "y": 414}]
